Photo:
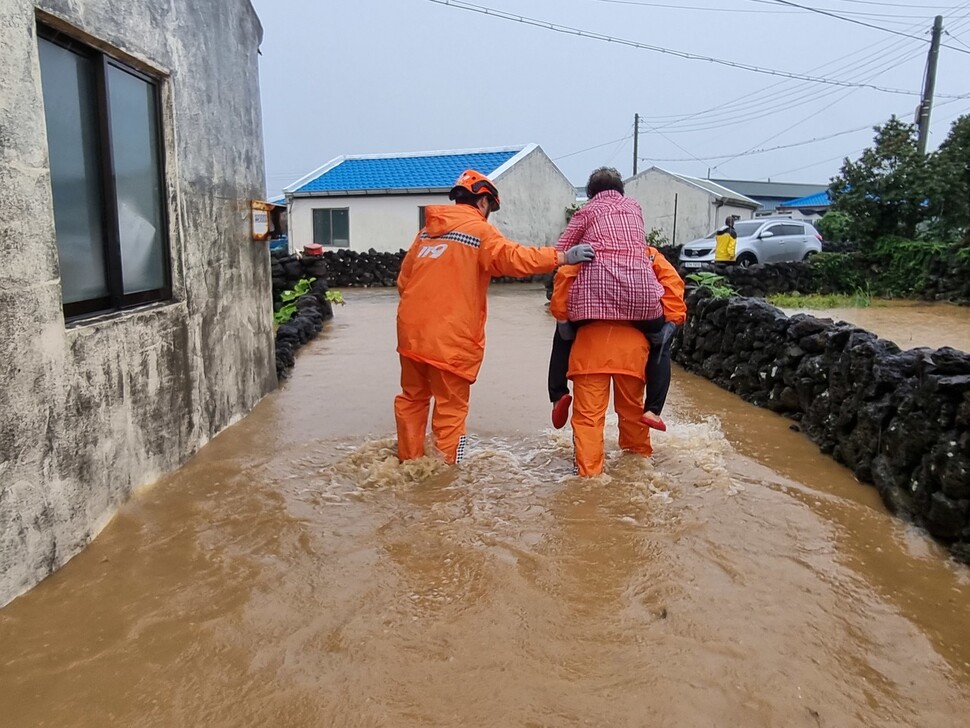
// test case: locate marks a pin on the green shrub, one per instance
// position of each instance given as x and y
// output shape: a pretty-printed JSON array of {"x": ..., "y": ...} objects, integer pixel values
[
  {"x": 716, "y": 284},
  {"x": 289, "y": 297},
  {"x": 905, "y": 264},
  {"x": 838, "y": 272},
  {"x": 657, "y": 238},
  {"x": 834, "y": 226}
]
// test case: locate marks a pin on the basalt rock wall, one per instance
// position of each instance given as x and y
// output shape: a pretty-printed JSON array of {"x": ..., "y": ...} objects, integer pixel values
[{"x": 898, "y": 419}]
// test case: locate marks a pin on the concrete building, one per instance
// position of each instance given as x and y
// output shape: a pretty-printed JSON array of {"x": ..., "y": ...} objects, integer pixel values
[
  {"x": 135, "y": 308},
  {"x": 685, "y": 208},
  {"x": 377, "y": 201},
  {"x": 770, "y": 194}
]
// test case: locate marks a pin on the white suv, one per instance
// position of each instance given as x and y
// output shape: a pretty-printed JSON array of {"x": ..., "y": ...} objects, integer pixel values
[{"x": 765, "y": 240}]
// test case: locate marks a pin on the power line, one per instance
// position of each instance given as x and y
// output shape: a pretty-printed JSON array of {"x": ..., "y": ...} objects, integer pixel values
[
  {"x": 957, "y": 39},
  {"x": 752, "y": 152},
  {"x": 722, "y": 9},
  {"x": 858, "y": 151},
  {"x": 816, "y": 164},
  {"x": 867, "y": 60},
  {"x": 458, "y": 4},
  {"x": 695, "y": 7},
  {"x": 877, "y": 56},
  {"x": 908, "y": 5},
  {"x": 589, "y": 149},
  {"x": 792, "y": 100},
  {"x": 853, "y": 20}
]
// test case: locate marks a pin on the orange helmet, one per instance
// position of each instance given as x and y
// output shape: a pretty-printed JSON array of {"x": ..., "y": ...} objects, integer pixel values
[{"x": 478, "y": 184}]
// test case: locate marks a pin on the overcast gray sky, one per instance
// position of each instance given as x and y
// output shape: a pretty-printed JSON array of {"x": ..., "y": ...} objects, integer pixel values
[{"x": 375, "y": 76}]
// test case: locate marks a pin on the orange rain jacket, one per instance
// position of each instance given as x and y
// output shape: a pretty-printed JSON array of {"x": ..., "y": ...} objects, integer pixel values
[
  {"x": 675, "y": 309},
  {"x": 444, "y": 282}
]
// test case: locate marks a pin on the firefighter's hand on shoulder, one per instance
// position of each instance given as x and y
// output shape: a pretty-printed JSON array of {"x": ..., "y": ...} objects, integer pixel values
[{"x": 582, "y": 253}]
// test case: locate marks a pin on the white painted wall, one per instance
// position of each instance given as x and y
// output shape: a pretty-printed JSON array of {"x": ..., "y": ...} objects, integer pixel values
[
  {"x": 534, "y": 193},
  {"x": 697, "y": 213},
  {"x": 386, "y": 223}
]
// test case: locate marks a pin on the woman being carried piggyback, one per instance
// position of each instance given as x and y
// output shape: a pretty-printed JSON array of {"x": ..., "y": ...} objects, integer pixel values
[{"x": 620, "y": 284}]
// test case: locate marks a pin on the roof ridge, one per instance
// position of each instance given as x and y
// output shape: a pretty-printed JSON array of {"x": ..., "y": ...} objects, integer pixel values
[
  {"x": 437, "y": 152},
  {"x": 423, "y": 171}
]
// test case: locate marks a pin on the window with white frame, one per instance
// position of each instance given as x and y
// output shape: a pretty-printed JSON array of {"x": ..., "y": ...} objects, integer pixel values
[
  {"x": 331, "y": 226},
  {"x": 104, "y": 141}
]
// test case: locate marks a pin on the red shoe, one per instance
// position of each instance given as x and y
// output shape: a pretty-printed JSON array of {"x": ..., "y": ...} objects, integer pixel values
[
  {"x": 653, "y": 421},
  {"x": 560, "y": 411}
]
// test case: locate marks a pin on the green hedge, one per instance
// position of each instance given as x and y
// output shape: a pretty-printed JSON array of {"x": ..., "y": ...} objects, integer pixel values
[{"x": 897, "y": 267}]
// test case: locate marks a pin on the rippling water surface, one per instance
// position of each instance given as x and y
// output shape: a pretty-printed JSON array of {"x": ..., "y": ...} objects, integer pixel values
[{"x": 294, "y": 574}]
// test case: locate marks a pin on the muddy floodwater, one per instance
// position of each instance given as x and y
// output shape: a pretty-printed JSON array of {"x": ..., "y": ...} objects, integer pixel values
[
  {"x": 294, "y": 574},
  {"x": 906, "y": 323}
]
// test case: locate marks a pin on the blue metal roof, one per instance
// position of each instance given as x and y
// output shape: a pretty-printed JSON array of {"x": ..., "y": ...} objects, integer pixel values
[
  {"x": 403, "y": 171},
  {"x": 819, "y": 199}
]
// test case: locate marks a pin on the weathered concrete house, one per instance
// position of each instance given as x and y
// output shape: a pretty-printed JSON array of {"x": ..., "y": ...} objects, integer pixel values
[
  {"x": 135, "y": 309},
  {"x": 685, "y": 208},
  {"x": 377, "y": 201}
]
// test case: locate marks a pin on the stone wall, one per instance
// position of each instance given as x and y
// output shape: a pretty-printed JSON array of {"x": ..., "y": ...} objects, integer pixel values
[
  {"x": 944, "y": 277},
  {"x": 898, "y": 419},
  {"x": 349, "y": 269},
  {"x": 90, "y": 411}
]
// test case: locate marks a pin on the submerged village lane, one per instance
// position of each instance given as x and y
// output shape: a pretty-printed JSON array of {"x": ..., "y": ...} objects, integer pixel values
[{"x": 293, "y": 573}]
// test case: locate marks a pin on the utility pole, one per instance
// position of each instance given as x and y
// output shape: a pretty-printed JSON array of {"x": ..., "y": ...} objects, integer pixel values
[
  {"x": 929, "y": 86},
  {"x": 636, "y": 141}
]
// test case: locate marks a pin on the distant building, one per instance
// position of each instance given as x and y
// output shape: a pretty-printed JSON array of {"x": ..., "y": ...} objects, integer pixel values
[
  {"x": 810, "y": 208},
  {"x": 685, "y": 208},
  {"x": 770, "y": 194},
  {"x": 135, "y": 307},
  {"x": 378, "y": 200}
]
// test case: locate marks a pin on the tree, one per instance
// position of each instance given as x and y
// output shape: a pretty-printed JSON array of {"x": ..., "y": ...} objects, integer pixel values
[
  {"x": 835, "y": 226},
  {"x": 951, "y": 183},
  {"x": 885, "y": 192}
]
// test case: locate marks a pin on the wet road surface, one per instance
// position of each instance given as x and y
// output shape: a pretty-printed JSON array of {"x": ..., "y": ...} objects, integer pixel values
[{"x": 294, "y": 574}]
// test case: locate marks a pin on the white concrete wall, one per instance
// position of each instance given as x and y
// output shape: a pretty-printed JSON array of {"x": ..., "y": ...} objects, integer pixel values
[
  {"x": 655, "y": 191},
  {"x": 91, "y": 411},
  {"x": 386, "y": 223},
  {"x": 534, "y": 193},
  {"x": 697, "y": 212}
]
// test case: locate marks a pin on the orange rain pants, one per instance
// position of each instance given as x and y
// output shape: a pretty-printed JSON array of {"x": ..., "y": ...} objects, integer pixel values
[
  {"x": 420, "y": 382},
  {"x": 606, "y": 352}
]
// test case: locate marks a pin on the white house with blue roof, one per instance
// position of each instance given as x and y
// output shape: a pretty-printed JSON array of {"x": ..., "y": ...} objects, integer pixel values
[
  {"x": 377, "y": 200},
  {"x": 810, "y": 207}
]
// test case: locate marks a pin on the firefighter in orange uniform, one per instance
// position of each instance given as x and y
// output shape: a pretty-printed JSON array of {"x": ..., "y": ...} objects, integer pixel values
[
  {"x": 443, "y": 285},
  {"x": 606, "y": 352}
]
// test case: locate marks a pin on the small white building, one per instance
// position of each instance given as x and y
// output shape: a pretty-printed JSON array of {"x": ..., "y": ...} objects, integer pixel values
[
  {"x": 377, "y": 200},
  {"x": 810, "y": 208},
  {"x": 685, "y": 208}
]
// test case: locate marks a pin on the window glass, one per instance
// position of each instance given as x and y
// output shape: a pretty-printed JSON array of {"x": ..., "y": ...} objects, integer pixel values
[
  {"x": 331, "y": 226},
  {"x": 341, "y": 227},
  {"x": 106, "y": 168},
  {"x": 134, "y": 149},
  {"x": 745, "y": 229},
  {"x": 72, "y": 136},
  {"x": 321, "y": 227}
]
